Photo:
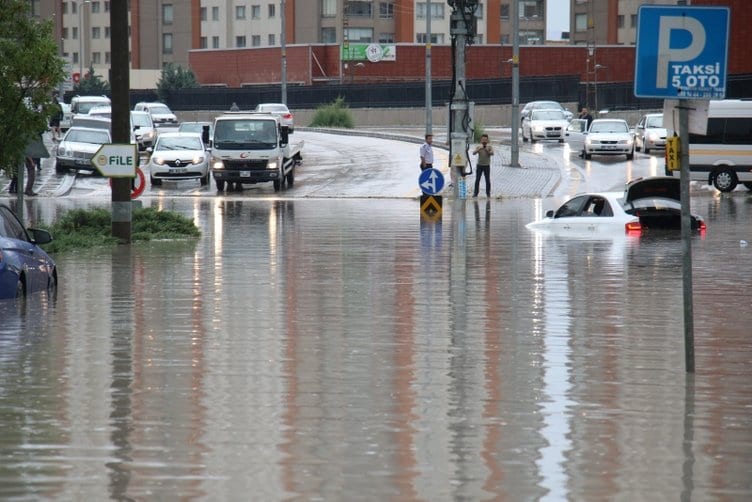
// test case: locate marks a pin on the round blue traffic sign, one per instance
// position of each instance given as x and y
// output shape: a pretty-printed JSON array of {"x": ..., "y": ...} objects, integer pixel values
[{"x": 431, "y": 181}]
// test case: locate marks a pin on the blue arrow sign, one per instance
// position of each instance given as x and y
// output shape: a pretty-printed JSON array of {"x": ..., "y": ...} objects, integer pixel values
[
  {"x": 681, "y": 52},
  {"x": 431, "y": 181}
]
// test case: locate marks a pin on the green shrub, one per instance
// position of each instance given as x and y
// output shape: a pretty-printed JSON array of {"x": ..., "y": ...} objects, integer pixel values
[
  {"x": 335, "y": 114},
  {"x": 479, "y": 131},
  {"x": 88, "y": 228}
]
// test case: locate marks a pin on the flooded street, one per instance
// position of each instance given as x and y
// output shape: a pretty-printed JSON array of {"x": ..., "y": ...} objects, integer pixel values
[{"x": 329, "y": 349}]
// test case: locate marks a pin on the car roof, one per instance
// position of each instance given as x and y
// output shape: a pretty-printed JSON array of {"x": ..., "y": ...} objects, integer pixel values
[{"x": 88, "y": 129}]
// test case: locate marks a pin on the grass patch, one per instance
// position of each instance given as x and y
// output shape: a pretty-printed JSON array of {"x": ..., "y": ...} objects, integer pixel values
[
  {"x": 89, "y": 228},
  {"x": 335, "y": 114}
]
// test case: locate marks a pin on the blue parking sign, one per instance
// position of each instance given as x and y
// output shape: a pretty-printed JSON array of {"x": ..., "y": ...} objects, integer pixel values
[{"x": 681, "y": 52}]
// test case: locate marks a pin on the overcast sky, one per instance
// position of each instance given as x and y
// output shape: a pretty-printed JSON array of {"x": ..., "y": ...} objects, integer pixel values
[{"x": 557, "y": 18}]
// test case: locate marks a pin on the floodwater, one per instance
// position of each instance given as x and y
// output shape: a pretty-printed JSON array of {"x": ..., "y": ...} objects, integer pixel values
[{"x": 345, "y": 350}]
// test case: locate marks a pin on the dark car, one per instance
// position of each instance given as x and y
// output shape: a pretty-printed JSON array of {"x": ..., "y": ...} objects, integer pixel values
[{"x": 25, "y": 268}]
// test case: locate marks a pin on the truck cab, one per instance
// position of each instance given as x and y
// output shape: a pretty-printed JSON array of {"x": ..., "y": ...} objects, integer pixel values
[{"x": 252, "y": 148}]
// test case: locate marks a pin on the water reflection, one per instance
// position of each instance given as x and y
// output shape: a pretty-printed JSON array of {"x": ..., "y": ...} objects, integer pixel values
[{"x": 348, "y": 349}]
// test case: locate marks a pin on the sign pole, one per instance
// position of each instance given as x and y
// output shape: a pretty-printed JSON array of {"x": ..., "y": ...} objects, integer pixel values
[
  {"x": 686, "y": 232},
  {"x": 120, "y": 81}
]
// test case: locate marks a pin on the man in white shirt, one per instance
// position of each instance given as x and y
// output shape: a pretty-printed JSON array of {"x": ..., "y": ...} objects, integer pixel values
[{"x": 426, "y": 153}]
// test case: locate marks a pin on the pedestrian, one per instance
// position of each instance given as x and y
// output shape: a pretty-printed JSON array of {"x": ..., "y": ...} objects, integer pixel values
[
  {"x": 234, "y": 107},
  {"x": 426, "y": 153},
  {"x": 56, "y": 117},
  {"x": 585, "y": 114},
  {"x": 484, "y": 151},
  {"x": 31, "y": 176}
]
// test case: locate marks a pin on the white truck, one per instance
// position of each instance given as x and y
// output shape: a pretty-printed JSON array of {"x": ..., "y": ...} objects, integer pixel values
[{"x": 250, "y": 147}]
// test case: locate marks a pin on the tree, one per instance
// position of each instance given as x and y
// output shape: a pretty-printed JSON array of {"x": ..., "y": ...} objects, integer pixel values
[
  {"x": 30, "y": 69},
  {"x": 92, "y": 84},
  {"x": 174, "y": 77}
]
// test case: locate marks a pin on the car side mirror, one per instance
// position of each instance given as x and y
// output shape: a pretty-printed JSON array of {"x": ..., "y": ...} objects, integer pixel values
[
  {"x": 40, "y": 236},
  {"x": 205, "y": 135},
  {"x": 550, "y": 213},
  {"x": 284, "y": 135}
]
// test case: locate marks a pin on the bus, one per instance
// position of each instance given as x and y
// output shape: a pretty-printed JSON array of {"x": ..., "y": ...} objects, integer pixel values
[{"x": 722, "y": 157}]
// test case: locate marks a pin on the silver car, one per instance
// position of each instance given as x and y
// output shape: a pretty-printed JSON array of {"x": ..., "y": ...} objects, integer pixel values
[
  {"x": 143, "y": 129},
  {"x": 279, "y": 110},
  {"x": 650, "y": 133},
  {"x": 178, "y": 156},
  {"x": 544, "y": 124},
  {"x": 77, "y": 148}
]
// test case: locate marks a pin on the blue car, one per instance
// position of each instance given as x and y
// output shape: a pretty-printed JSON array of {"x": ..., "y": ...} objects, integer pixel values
[{"x": 25, "y": 268}]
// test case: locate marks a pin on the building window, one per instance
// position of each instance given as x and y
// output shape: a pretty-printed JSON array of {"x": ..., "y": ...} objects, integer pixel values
[
  {"x": 240, "y": 41},
  {"x": 203, "y": 13},
  {"x": 240, "y": 12},
  {"x": 106, "y": 32},
  {"x": 272, "y": 39},
  {"x": 386, "y": 38},
  {"x": 386, "y": 10},
  {"x": 580, "y": 23},
  {"x": 362, "y": 35},
  {"x": 436, "y": 38},
  {"x": 96, "y": 32},
  {"x": 356, "y": 8},
  {"x": 96, "y": 57},
  {"x": 204, "y": 43},
  {"x": 633, "y": 20},
  {"x": 65, "y": 7},
  {"x": 479, "y": 12},
  {"x": 107, "y": 57},
  {"x": 215, "y": 42},
  {"x": 620, "y": 21},
  {"x": 255, "y": 12},
  {"x": 272, "y": 10},
  {"x": 107, "y": 6},
  {"x": 74, "y": 33},
  {"x": 95, "y": 7},
  {"x": 65, "y": 33},
  {"x": 531, "y": 8},
  {"x": 215, "y": 13},
  {"x": 479, "y": 38},
  {"x": 328, "y": 8},
  {"x": 505, "y": 11},
  {"x": 328, "y": 35},
  {"x": 166, "y": 43},
  {"x": 74, "y": 8},
  {"x": 167, "y": 13},
  {"x": 256, "y": 40},
  {"x": 437, "y": 10},
  {"x": 531, "y": 37},
  {"x": 75, "y": 58}
]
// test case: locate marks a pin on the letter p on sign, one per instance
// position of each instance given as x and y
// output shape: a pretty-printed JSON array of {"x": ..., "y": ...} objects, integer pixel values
[{"x": 681, "y": 52}]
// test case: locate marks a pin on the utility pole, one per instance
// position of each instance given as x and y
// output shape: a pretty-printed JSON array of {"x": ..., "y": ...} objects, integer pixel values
[
  {"x": 429, "y": 100},
  {"x": 283, "y": 42},
  {"x": 120, "y": 82},
  {"x": 515, "y": 160},
  {"x": 462, "y": 29}
]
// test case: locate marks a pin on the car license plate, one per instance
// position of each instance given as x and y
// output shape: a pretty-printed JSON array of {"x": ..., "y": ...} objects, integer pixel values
[
  {"x": 609, "y": 147},
  {"x": 178, "y": 170},
  {"x": 245, "y": 174}
]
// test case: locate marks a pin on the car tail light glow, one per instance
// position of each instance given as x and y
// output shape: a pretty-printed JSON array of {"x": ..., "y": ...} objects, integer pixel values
[
  {"x": 633, "y": 228},
  {"x": 287, "y": 115}
]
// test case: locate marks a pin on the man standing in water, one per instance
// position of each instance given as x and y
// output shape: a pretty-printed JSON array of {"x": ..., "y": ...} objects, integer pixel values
[{"x": 483, "y": 167}]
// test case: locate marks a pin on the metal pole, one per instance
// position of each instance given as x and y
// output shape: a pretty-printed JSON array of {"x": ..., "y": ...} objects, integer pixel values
[
  {"x": 686, "y": 230},
  {"x": 515, "y": 161},
  {"x": 120, "y": 84},
  {"x": 429, "y": 100},
  {"x": 283, "y": 42}
]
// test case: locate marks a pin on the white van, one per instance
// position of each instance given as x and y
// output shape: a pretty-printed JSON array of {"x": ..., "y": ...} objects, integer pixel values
[
  {"x": 723, "y": 156},
  {"x": 80, "y": 105}
]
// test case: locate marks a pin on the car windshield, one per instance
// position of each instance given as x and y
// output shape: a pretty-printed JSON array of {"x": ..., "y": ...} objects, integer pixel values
[
  {"x": 547, "y": 115},
  {"x": 196, "y": 127},
  {"x": 85, "y": 106},
  {"x": 161, "y": 109},
  {"x": 94, "y": 137},
  {"x": 245, "y": 133},
  {"x": 141, "y": 120},
  {"x": 656, "y": 122},
  {"x": 548, "y": 104},
  {"x": 609, "y": 126},
  {"x": 178, "y": 143}
]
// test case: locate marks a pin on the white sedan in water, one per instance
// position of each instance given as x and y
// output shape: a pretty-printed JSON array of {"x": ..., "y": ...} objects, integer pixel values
[
  {"x": 604, "y": 137},
  {"x": 646, "y": 204}
]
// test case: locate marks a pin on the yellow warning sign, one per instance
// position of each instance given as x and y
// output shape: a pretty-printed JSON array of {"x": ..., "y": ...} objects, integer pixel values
[
  {"x": 458, "y": 161},
  {"x": 672, "y": 153},
  {"x": 430, "y": 207}
]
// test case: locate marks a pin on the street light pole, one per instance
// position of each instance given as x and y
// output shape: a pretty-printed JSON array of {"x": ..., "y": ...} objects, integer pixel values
[
  {"x": 429, "y": 99},
  {"x": 81, "y": 32}
]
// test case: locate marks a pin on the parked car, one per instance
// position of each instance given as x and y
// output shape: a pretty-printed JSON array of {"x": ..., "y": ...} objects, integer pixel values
[
  {"x": 544, "y": 124},
  {"x": 160, "y": 113},
  {"x": 544, "y": 105},
  {"x": 143, "y": 129},
  {"x": 650, "y": 133},
  {"x": 82, "y": 104},
  {"x": 280, "y": 110},
  {"x": 178, "y": 156},
  {"x": 104, "y": 111},
  {"x": 65, "y": 122},
  {"x": 25, "y": 268},
  {"x": 77, "y": 148},
  {"x": 197, "y": 127},
  {"x": 646, "y": 204},
  {"x": 605, "y": 137}
]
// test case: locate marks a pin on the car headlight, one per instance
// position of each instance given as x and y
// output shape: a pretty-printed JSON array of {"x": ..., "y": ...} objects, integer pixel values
[
  {"x": 217, "y": 163},
  {"x": 63, "y": 152},
  {"x": 157, "y": 160},
  {"x": 589, "y": 141},
  {"x": 198, "y": 159},
  {"x": 538, "y": 128},
  {"x": 272, "y": 164},
  {"x": 652, "y": 136}
]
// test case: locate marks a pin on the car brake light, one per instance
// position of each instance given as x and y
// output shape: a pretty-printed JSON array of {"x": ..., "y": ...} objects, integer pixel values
[
  {"x": 702, "y": 226},
  {"x": 633, "y": 228},
  {"x": 287, "y": 115}
]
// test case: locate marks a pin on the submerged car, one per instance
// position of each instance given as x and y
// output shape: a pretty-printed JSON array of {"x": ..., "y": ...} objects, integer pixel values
[
  {"x": 650, "y": 133},
  {"x": 77, "y": 148},
  {"x": 646, "y": 204},
  {"x": 604, "y": 137},
  {"x": 544, "y": 124},
  {"x": 25, "y": 268},
  {"x": 178, "y": 156},
  {"x": 279, "y": 110}
]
